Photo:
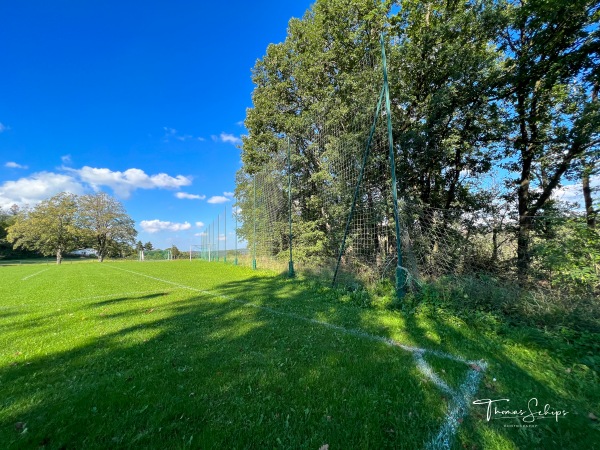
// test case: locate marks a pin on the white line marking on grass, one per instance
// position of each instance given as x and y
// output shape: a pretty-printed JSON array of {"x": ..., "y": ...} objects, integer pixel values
[
  {"x": 33, "y": 274},
  {"x": 426, "y": 370},
  {"x": 457, "y": 410},
  {"x": 460, "y": 399}
]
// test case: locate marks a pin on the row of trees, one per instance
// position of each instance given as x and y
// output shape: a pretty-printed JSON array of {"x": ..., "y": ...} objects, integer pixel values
[
  {"x": 141, "y": 247},
  {"x": 149, "y": 247},
  {"x": 7, "y": 218},
  {"x": 493, "y": 102},
  {"x": 67, "y": 222}
]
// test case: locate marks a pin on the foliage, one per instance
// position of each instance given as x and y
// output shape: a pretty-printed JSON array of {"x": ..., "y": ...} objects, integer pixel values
[
  {"x": 67, "y": 222},
  {"x": 107, "y": 226},
  {"x": 550, "y": 67},
  {"x": 7, "y": 218},
  {"x": 176, "y": 253},
  {"x": 50, "y": 227},
  {"x": 572, "y": 258},
  {"x": 473, "y": 85}
]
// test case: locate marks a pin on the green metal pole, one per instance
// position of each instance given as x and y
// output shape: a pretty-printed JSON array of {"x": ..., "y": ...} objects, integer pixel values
[
  {"x": 291, "y": 264},
  {"x": 225, "y": 234},
  {"x": 235, "y": 261},
  {"x": 400, "y": 274},
  {"x": 358, "y": 183},
  {"x": 254, "y": 218}
]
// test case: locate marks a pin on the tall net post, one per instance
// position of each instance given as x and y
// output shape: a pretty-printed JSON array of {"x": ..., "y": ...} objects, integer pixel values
[
  {"x": 254, "y": 224},
  {"x": 218, "y": 238},
  {"x": 400, "y": 275},
  {"x": 291, "y": 273},
  {"x": 235, "y": 240},
  {"x": 209, "y": 242},
  {"x": 225, "y": 234},
  {"x": 357, "y": 188}
]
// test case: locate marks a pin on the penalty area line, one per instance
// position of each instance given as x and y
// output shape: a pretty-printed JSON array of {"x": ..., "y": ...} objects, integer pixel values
[{"x": 33, "y": 274}]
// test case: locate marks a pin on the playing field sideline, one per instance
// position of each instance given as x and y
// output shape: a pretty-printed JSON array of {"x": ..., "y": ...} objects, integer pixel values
[{"x": 192, "y": 355}]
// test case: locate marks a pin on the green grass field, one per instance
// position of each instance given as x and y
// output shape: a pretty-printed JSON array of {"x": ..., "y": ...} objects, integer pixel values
[{"x": 195, "y": 355}]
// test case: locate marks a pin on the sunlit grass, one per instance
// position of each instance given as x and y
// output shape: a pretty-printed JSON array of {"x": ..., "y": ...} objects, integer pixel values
[{"x": 95, "y": 356}]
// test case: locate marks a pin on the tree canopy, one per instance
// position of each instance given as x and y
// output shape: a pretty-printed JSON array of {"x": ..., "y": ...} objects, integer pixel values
[
  {"x": 66, "y": 222},
  {"x": 50, "y": 227},
  {"x": 482, "y": 92},
  {"x": 107, "y": 226}
]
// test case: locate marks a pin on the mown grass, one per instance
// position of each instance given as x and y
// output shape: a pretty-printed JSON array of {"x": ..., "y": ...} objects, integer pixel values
[{"x": 95, "y": 356}]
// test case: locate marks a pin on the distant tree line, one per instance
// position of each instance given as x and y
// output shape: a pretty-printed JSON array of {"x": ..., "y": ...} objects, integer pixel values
[
  {"x": 66, "y": 222},
  {"x": 149, "y": 247}
]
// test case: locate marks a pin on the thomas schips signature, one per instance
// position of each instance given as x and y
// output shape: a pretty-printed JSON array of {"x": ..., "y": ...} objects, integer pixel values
[{"x": 533, "y": 412}]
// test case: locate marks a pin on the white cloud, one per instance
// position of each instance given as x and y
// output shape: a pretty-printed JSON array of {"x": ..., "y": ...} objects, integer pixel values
[
  {"x": 154, "y": 226},
  {"x": 228, "y": 138},
  {"x": 240, "y": 123},
  {"x": 172, "y": 133},
  {"x": 199, "y": 224},
  {"x": 185, "y": 195},
  {"x": 228, "y": 194},
  {"x": 201, "y": 234},
  {"x": 574, "y": 192},
  {"x": 3, "y": 127},
  {"x": 123, "y": 183},
  {"x": 216, "y": 199},
  {"x": 14, "y": 165},
  {"x": 37, "y": 187},
  {"x": 66, "y": 159}
]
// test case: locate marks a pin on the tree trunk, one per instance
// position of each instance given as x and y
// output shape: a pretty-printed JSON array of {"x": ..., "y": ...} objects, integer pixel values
[
  {"x": 525, "y": 221},
  {"x": 58, "y": 256},
  {"x": 587, "y": 196},
  {"x": 587, "y": 171}
]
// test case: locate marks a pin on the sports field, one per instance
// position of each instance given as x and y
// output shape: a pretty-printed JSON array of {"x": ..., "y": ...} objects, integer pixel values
[{"x": 184, "y": 354}]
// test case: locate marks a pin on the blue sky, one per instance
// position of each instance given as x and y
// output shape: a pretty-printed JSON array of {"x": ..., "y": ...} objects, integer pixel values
[{"x": 144, "y": 100}]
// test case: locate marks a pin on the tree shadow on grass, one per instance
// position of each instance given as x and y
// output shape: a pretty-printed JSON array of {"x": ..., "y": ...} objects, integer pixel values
[
  {"x": 188, "y": 370},
  {"x": 202, "y": 371},
  {"x": 127, "y": 298},
  {"x": 523, "y": 368}
]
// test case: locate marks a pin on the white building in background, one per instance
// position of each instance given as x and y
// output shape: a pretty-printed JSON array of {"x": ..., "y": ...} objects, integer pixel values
[{"x": 84, "y": 252}]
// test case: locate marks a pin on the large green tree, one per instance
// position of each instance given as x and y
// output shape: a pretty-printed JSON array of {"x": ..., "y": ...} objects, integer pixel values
[
  {"x": 473, "y": 84},
  {"x": 443, "y": 72},
  {"x": 50, "y": 227},
  {"x": 106, "y": 224},
  {"x": 320, "y": 88},
  {"x": 551, "y": 63},
  {"x": 7, "y": 218},
  {"x": 322, "y": 80}
]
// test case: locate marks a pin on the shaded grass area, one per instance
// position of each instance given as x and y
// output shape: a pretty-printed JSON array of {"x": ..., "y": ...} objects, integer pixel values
[{"x": 92, "y": 356}]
